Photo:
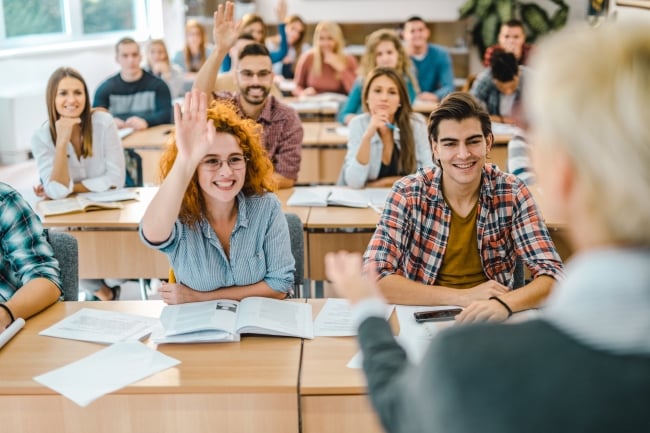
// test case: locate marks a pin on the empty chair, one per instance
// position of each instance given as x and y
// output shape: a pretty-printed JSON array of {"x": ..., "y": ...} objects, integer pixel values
[{"x": 298, "y": 250}]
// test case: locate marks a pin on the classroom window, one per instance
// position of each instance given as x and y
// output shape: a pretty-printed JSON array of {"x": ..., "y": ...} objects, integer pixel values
[
  {"x": 32, "y": 17},
  {"x": 36, "y": 23}
]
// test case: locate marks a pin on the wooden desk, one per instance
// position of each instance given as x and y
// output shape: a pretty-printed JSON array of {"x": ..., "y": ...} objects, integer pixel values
[
  {"x": 323, "y": 152},
  {"x": 336, "y": 228},
  {"x": 226, "y": 387},
  {"x": 333, "y": 398},
  {"x": 109, "y": 244},
  {"x": 149, "y": 144},
  {"x": 313, "y": 108}
]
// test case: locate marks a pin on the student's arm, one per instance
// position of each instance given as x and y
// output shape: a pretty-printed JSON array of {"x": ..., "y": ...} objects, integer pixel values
[
  {"x": 30, "y": 257},
  {"x": 277, "y": 56},
  {"x": 303, "y": 67},
  {"x": 423, "y": 153},
  {"x": 176, "y": 293},
  {"x": 356, "y": 165},
  {"x": 193, "y": 133},
  {"x": 48, "y": 156},
  {"x": 225, "y": 34},
  {"x": 519, "y": 162},
  {"x": 286, "y": 160}
]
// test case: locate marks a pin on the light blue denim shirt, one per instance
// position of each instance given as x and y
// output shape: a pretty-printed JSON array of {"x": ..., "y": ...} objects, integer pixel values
[
  {"x": 355, "y": 174},
  {"x": 260, "y": 249}
]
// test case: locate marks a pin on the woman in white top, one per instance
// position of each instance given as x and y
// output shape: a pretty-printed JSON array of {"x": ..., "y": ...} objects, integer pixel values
[
  {"x": 388, "y": 141},
  {"x": 76, "y": 150}
]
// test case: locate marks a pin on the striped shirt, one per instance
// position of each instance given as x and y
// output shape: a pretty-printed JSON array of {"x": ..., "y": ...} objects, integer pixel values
[
  {"x": 25, "y": 254},
  {"x": 519, "y": 162},
  {"x": 282, "y": 133},
  {"x": 412, "y": 234},
  {"x": 260, "y": 249}
]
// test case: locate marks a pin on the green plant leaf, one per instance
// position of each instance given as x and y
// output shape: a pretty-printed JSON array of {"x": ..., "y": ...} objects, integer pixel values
[
  {"x": 504, "y": 9},
  {"x": 490, "y": 29},
  {"x": 560, "y": 17},
  {"x": 535, "y": 18},
  {"x": 467, "y": 9},
  {"x": 482, "y": 8}
]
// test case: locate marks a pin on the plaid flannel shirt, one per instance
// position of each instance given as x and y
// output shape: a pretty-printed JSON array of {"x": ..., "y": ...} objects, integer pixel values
[
  {"x": 411, "y": 237},
  {"x": 25, "y": 253}
]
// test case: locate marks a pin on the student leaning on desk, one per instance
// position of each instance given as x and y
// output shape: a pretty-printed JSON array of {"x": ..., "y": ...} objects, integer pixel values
[
  {"x": 214, "y": 217},
  {"x": 77, "y": 150},
  {"x": 584, "y": 365},
  {"x": 29, "y": 273},
  {"x": 451, "y": 235}
]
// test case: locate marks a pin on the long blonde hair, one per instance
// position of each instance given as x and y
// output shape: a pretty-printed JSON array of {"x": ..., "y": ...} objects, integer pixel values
[
  {"x": 404, "y": 65},
  {"x": 188, "y": 54},
  {"x": 337, "y": 35}
]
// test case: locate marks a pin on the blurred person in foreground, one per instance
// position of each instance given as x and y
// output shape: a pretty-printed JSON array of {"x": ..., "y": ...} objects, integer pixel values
[{"x": 583, "y": 364}]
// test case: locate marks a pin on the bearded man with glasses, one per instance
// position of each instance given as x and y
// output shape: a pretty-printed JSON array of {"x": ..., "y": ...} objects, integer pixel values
[{"x": 282, "y": 130}]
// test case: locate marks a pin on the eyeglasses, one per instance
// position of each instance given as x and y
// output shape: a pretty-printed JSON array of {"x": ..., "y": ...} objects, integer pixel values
[
  {"x": 235, "y": 162},
  {"x": 248, "y": 74}
]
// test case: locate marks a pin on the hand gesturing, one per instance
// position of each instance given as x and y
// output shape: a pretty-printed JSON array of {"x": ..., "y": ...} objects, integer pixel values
[
  {"x": 225, "y": 30},
  {"x": 194, "y": 132}
]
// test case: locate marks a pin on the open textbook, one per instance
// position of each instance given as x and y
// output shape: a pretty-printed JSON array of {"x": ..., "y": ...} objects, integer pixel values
[
  {"x": 86, "y": 202},
  {"x": 226, "y": 320},
  {"x": 338, "y": 196}
]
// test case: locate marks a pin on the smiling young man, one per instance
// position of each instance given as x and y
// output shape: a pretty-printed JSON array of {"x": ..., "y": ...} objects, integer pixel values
[
  {"x": 451, "y": 235},
  {"x": 282, "y": 130},
  {"x": 135, "y": 98}
]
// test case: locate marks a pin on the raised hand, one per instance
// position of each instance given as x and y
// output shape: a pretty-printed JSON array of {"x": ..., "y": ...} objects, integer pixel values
[
  {"x": 344, "y": 270},
  {"x": 193, "y": 131},
  {"x": 225, "y": 30},
  {"x": 281, "y": 11}
]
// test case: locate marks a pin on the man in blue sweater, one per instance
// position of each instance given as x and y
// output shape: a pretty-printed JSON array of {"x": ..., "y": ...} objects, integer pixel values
[
  {"x": 432, "y": 62},
  {"x": 135, "y": 98}
]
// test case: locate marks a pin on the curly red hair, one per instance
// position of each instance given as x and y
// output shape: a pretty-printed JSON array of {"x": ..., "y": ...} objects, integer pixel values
[{"x": 259, "y": 169}]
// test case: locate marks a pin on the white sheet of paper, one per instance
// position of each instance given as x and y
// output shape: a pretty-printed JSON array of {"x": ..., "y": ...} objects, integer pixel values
[
  {"x": 335, "y": 319},
  {"x": 111, "y": 195},
  {"x": 101, "y": 326},
  {"x": 415, "y": 348},
  {"x": 106, "y": 371}
]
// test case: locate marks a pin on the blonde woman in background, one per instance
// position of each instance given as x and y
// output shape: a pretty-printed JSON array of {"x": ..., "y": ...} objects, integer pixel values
[
  {"x": 326, "y": 67},
  {"x": 159, "y": 65},
  {"x": 196, "y": 50},
  {"x": 383, "y": 49}
]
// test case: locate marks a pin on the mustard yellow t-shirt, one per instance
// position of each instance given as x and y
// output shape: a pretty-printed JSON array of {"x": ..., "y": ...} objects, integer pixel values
[{"x": 461, "y": 266}]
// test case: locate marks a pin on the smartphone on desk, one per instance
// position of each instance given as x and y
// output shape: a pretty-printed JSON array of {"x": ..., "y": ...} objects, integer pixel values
[{"x": 436, "y": 315}]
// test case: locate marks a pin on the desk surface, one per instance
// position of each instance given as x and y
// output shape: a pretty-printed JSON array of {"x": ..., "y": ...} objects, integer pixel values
[
  {"x": 245, "y": 386},
  {"x": 151, "y": 138}
]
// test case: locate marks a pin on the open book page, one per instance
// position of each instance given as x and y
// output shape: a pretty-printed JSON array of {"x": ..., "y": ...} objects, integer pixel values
[
  {"x": 73, "y": 205},
  {"x": 120, "y": 194},
  {"x": 193, "y": 317},
  {"x": 335, "y": 319},
  {"x": 210, "y": 336},
  {"x": 275, "y": 317},
  {"x": 101, "y": 326},
  {"x": 309, "y": 196},
  {"x": 339, "y": 196},
  {"x": 343, "y": 196}
]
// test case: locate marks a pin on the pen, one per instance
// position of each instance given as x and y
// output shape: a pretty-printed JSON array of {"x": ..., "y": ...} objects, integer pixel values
[{"x": 392, "y": 126}]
